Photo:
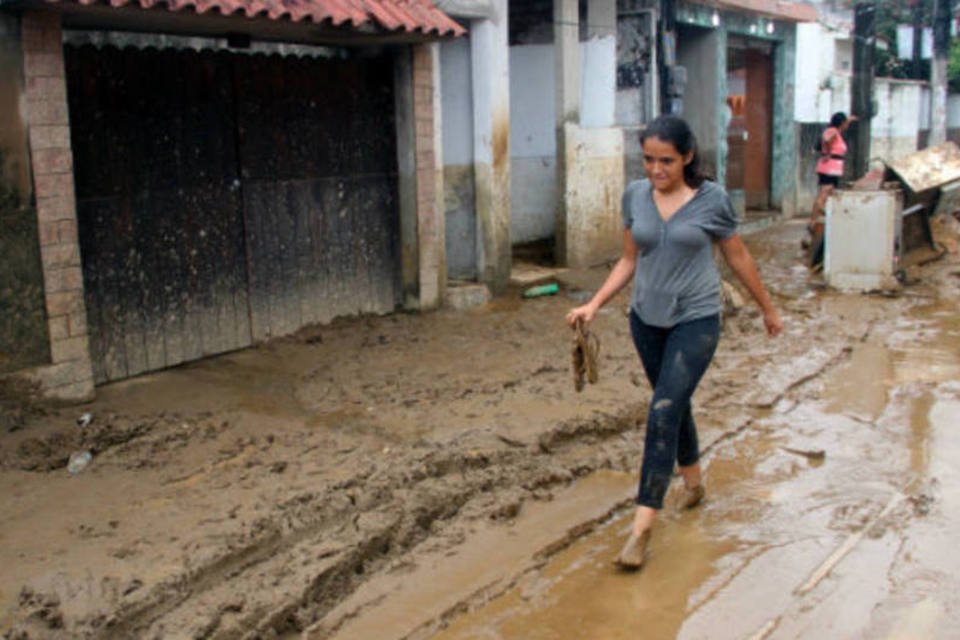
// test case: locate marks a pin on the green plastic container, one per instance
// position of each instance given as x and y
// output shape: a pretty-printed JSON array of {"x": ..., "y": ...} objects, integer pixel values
[{"x": 542, "y": 290}]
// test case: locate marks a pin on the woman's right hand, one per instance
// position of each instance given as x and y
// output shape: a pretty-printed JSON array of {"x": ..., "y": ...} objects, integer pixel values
[{"x": 586, "y": 313}]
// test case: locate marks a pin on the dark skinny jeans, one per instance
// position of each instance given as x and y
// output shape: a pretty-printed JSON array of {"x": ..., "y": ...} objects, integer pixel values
[{"x": 674, "y": 359}]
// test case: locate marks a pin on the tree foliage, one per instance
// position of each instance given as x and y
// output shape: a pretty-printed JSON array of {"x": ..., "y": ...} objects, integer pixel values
[{"x": 890, "y": 14}]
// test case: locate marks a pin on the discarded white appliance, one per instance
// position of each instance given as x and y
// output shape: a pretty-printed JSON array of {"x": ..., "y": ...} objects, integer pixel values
[{"x": 862, "y": 247}]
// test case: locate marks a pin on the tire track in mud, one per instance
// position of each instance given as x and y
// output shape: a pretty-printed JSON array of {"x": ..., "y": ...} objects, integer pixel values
[
  {"x": 330, "y": 541},
  {"x": 829, "y": 359},
  {"x": 316, "y": 548}
]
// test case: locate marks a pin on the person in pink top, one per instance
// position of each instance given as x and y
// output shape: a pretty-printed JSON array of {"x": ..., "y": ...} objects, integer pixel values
[{"x": 833, "y": 148}]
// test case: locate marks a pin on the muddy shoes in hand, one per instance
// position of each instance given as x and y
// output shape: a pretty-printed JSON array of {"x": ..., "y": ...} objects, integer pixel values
[{"x": 586, "y": 349}]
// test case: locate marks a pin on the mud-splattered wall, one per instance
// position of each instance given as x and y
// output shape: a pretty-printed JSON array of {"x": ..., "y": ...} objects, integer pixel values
[
  {"x": 594, "y": 187},
  {"x": 23, "y": 333},
  {"x": 224, "y": 199}
]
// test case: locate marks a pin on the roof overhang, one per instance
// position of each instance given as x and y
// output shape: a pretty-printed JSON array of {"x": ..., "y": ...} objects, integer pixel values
[
  {"x": 318, "y": 22},
  {"x": 773, "y": 9}
]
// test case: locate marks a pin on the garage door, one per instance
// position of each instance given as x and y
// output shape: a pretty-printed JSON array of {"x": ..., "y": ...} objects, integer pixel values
[{"x": 223, "y": 199}]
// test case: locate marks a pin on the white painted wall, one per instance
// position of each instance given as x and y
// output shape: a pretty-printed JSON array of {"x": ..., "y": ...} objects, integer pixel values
[
  {"x": 599, "y": 82},
  {"x": 532, "y": 121},
  {"x": 456, "y": 101},
  {"x": 533, "y": 139},
  {"x": 533, "y": 142},
  {"x": 532, "y": 83},
  {"x": 595, "y": 182},
  {"x": 822, "y": 83},
  {"x": 893, "y": 130}
]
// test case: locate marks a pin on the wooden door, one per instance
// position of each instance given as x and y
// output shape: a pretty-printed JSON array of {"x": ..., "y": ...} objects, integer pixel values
[{"x": 758, "y": 117}]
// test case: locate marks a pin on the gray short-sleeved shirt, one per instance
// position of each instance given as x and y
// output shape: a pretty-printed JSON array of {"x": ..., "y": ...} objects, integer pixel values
[{"x": 676, "y": 279}]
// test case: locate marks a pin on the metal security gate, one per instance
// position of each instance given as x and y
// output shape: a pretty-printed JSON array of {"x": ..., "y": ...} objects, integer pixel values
[{"x": 223, "y": 198}]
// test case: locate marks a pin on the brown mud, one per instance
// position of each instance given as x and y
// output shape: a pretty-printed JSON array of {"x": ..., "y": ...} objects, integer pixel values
[{"x": 382, "y": 477}]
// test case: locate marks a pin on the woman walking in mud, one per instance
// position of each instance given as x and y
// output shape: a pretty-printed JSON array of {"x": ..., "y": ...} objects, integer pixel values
[{"x": 671, "y": 221}]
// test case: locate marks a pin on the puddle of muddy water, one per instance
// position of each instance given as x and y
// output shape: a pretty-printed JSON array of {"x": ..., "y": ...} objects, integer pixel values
[{"x": 775, "y": 520}]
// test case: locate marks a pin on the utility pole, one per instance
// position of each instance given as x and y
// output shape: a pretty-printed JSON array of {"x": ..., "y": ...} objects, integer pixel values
[
  {"x": 938, "y": 72},
  {"x": 864, "y": 40},
  {"x": 916, "y": 68}
]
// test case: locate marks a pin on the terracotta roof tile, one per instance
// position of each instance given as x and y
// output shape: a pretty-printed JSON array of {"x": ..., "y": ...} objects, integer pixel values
[{"x": 406, "y": 15}]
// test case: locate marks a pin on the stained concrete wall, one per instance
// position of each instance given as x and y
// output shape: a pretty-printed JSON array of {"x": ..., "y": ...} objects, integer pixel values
[
  {"x": 595, "y": 183},
  {"x": 703, "y": 54},
  {"x": 23, "y": 330},
  {"x": 533, "y": 168},
  {"x": 894, "y": 128},
  {"x": 533, "y": 180},
  {"x": 490, "y": 65},
  {"x": 783, "y": 191},
  {"x": 533, "y": 143},
  {"x": 823, "y": 78},
  {"x": 458, "y": 185}
]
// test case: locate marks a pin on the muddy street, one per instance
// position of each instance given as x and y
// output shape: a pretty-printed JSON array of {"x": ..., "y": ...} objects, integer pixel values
[
  {"x": 437, "y": 476},
  {"x": 856, "y": 543}
]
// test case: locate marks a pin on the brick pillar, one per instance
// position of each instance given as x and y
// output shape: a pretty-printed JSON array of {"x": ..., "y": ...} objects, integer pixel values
[
  {"x": 429, "y": 174},
  {"x": 70, "y": 376}
]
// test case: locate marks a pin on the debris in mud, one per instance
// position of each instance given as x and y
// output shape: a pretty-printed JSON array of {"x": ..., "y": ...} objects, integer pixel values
[
  {"x": 85, "y": 419},
  {"x": 541, "y": 290},
  {"x": 511, "y": 441},
  {"x": 507, "y": 511},
  {"x": 731, "y": 298},
  {"x": 814, "y": 455},
  {"x": 19, "y": 402},
  {"x": 136, "y": 442},
  {"x": 921, "y": 503},
  {"x": 134, "y": 585},
  {"x": 580, "y": 295},
  {"x": 42, "y": 619},
  {"x": 78, "y": 462}
]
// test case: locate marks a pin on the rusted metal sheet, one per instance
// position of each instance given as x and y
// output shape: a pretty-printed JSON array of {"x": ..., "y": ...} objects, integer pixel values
[
  {"x": 158, "y": 207},
  {"x": 930, "y": 168},
  {"x": 777, "y": 9},
  {"x": 394, "y": 15},
  {"x": 320, "y": 189},
  {"x": 224, "y": 199}
]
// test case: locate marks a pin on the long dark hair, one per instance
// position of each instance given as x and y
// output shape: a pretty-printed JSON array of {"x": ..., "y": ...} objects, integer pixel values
[
  {"x": 677, "y": 132},
  {"x": 837, "y": 119}
]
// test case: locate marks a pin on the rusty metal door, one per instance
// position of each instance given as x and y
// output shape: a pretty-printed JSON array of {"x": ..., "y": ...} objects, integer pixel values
[
  {"x": 319, "y": 172},
  {"x": 158, "y": 208},
  {"x": 224, "y": 198}
]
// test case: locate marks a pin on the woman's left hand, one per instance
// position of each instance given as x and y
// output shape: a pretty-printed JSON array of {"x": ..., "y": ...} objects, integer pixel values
[{"x": 773, "y": 323}]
